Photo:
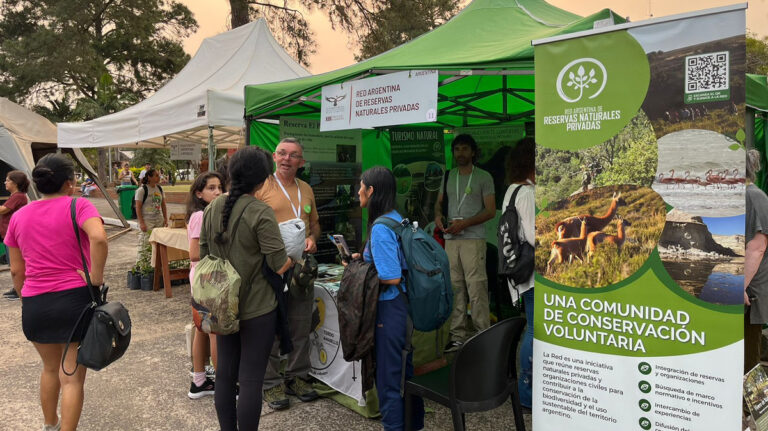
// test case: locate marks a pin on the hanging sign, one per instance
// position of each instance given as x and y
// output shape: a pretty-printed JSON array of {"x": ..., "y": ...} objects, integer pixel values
[
  {"x": 185, "y": 151},
  {"x": 638, "y": 315},
  {"x": 406, "y": 97}
]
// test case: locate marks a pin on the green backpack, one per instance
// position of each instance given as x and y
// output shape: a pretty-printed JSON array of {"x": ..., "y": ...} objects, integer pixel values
[{"x": 216, "y": 293}]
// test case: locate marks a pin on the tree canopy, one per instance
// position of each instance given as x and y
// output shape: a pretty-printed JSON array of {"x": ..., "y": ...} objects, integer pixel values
[
  {"x": 373, "y": 26},
  {"x": 757, "y": 54},
  {"x": 53, "y": 51}
]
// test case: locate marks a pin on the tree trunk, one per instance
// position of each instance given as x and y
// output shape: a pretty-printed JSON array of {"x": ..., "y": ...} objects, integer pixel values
[
  {"x": 103, "y": 167},
  {"x": 239, "y": 10}
]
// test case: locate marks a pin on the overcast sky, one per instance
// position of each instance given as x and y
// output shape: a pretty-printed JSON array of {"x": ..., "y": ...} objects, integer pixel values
[{"x": 333, "y": 47}]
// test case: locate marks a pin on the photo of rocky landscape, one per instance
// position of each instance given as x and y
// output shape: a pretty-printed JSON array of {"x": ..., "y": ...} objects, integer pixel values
[{"x": 709, "y": 266}]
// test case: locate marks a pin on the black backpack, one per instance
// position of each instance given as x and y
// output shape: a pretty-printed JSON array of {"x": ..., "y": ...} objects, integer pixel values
[
  {"x": 146, "y": 190},
  {"x": 515, "y": 256},
  {"x": 357, "y": 301}
]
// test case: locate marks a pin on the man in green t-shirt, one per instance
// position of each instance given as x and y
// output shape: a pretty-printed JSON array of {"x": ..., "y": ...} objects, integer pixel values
[{"x": 471, "y": 203}]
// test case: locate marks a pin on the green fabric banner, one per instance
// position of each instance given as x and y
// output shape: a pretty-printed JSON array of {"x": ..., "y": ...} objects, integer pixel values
[{"x": 638, "y": 318}]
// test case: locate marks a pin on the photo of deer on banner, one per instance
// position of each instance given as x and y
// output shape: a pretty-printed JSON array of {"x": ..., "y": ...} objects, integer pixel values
[{"x": 637, "y": 324}]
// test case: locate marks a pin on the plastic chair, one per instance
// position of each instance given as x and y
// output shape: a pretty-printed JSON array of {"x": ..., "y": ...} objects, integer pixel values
[{"x": 481, "y": 378}]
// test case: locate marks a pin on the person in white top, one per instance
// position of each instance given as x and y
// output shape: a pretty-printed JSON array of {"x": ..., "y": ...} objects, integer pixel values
[
  {"x": 143, "y": 172},
  {"x": 521, "y": 172}
]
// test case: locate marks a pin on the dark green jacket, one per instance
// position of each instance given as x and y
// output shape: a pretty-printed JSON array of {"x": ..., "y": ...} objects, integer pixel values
[{"x": 257, "y": 238}]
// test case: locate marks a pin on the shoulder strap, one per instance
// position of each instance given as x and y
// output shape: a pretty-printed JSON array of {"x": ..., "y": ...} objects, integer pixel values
[
  {"x": 94, "y": 300},
  {"x": 146, "y": 190},
  {"x": 391, "y": 223},
  {"x": 234, "y": 228},
  {"x": 73, "y": 211},
  {"x": 513, "y": 197}
]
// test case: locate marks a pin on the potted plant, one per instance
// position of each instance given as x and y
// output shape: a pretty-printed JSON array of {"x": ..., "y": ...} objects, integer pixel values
[
  {"x": 134, "y": 279},
  {"x": 145, "y": 271}
]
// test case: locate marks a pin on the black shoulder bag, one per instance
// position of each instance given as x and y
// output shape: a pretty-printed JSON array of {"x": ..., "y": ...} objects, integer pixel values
[{"x": 108, "y": 334}]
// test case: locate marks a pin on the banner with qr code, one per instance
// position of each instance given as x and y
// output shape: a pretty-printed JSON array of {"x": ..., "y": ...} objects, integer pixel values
[
  {"x": 706, "y": 77},
  {"x": 640, "y": 192}
]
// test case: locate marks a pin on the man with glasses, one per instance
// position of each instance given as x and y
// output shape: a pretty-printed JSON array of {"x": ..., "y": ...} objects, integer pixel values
[{"x": 292, "y": 199}]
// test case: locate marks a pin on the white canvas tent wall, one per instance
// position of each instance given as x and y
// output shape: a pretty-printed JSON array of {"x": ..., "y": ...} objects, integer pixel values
[
  {"x": 19, "y": 129},
  {"x": 205, "y": 98},
  {"x": 24, "y": 133}
]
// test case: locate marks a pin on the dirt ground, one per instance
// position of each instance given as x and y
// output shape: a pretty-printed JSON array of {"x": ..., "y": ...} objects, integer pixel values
[{"x": 147, "y": 388}]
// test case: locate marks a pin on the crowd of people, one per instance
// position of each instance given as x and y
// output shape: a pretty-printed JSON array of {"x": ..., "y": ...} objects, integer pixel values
[
  {"x": 264, "y": 219},
  {"x": 259, "y": 214}
]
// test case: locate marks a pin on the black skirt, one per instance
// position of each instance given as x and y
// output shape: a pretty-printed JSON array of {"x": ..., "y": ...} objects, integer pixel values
[{"x": 50, "y": 317}]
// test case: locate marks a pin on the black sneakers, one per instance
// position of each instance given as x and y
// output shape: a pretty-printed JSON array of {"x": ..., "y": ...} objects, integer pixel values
[
  {"x": 196, "y": 392},
  {"x": 11, "y": 295}
]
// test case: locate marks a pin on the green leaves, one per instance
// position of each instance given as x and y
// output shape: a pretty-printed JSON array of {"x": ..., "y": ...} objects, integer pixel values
[
  {"x": 740, "y": 136},
  {"x": 543, "y": 211},
  {"x": 113, "y": 52}
]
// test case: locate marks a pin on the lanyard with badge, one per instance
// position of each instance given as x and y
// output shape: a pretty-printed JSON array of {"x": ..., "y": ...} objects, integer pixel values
[
  {"x": 293, "y": 231},
  {"x": 467, "y": 190}
]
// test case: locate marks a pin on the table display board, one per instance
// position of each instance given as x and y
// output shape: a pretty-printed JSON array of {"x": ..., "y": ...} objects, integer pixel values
[{"x": 325, "y": 353}]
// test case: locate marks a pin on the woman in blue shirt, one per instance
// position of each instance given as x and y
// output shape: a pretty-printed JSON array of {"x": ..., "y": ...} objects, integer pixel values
[{"x": 377, "y": 193}]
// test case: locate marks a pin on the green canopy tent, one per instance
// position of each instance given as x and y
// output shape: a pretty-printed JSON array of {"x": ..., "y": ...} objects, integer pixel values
[
  {"x": 484, "y": 58},
  {"x": 757, "y": 109}
]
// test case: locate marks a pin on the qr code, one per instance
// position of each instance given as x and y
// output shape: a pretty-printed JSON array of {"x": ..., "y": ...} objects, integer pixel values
[{"x": 706, "y": 72}]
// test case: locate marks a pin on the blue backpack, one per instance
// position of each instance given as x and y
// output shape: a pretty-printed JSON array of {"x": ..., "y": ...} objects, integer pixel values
[{"x": 428, "y": 280}]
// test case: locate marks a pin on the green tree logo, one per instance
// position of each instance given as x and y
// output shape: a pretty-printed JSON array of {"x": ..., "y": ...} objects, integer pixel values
[{"x": 579, "y": 77}]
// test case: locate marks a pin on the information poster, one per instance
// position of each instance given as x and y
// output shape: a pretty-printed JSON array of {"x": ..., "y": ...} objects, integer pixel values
[
  {"x": 638, "y": 319},
  {"x": 332, "y": 168},
  {"x": 406, "y": 97},
  {"x": 185, "y": 151},
  {"x": 418, "y": 163}
]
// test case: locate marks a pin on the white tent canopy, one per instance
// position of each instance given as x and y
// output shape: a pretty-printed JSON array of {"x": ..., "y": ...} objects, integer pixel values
[
  {"x": 207, "y": 93},
  {"x": 25, "y": 134},
  {"x": 19, "y": 129}
]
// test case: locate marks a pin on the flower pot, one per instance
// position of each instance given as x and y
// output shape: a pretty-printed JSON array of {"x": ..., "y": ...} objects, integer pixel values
[
  {"x": 136, "y": 280},
  {"x": 147, "y": 280},
  {"x": 132, "y": 282}
]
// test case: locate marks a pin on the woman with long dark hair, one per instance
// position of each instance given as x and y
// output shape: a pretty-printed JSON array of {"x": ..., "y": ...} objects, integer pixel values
[
  {"x": 521, "y": 173},
  {"x": 205, "y": 188},
  {"x": 47, "y": 273},
  {"x": 244, "y": 230},
  {"x": 377, "y": 193}
]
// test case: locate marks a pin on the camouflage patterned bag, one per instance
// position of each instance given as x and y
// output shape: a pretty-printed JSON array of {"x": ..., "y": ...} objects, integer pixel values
[
  {"x": 216, "y": 296},
  {"x": 216, "y": 292}
]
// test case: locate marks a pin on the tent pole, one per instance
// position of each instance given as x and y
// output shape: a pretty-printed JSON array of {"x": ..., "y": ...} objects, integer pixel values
[
  {"x": 211, "y": 151},
  {"x": 750, "y": 129},
  {"x": 247, "y": 132},
  {"x": 504, "y": 94},
  {"x": 82, "y": 161}
]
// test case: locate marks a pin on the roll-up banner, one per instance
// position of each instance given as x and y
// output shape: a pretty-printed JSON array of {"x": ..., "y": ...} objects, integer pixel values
[{"x": 638, "y": 320}]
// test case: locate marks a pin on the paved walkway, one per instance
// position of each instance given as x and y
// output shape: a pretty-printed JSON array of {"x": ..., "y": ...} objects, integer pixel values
[{"x": 146, "y": 389}]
